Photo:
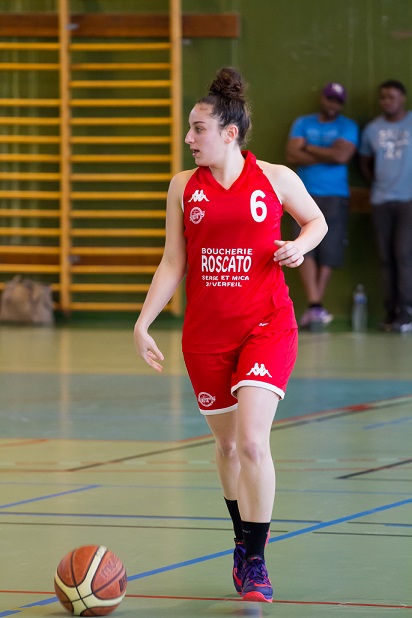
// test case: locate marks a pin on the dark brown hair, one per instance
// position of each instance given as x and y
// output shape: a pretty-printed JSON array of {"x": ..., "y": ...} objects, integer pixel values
[
  {"x": 227, "y": 97},
  {"x": 393, "y": 83}
]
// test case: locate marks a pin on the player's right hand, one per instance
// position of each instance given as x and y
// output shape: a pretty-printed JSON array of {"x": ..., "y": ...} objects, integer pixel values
[{"x": 147, "y": 349}]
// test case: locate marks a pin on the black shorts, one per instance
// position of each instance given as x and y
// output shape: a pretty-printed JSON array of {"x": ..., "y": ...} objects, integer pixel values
[{"x": 330, "y": 251}]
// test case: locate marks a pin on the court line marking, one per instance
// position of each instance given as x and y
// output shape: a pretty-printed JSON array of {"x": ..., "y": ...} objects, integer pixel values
[
  {"x": 383, "y": 523},
  {"x": 22, "y": 442},
  {"x": 140, "y": 455},
  {"x": 276, "y": 426},
  {"x": 221, "y": 599},
  {"x": 161, "y": 517},
  {"x": 198, "y": 528},
  {"x": 368, "y": 534},
  {"x": 206, "y": 488},
  {"x": 387, "y": 480},
  {"x": 136, "y": 516},
  {"x": 281, "y": 537},
  {"x": 47, "y": 497},
  {"x": 279, "y": 601},
  {"x": 399, "y": 421},
  {"x": 370, "y": 470}
]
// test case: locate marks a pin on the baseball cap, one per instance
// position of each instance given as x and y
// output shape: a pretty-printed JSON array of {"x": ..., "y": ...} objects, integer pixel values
[{"x": 335, "y": 91}]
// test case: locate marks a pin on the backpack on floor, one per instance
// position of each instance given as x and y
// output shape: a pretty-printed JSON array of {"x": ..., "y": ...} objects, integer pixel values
[{"x": 24, "y": 301}]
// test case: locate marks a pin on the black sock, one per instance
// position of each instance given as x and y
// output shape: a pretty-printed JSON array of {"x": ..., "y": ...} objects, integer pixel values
[
  {"x": 315, "y": 305},
  {"x": 233, "y": 508},
  {"x": 255, "y": 536}
]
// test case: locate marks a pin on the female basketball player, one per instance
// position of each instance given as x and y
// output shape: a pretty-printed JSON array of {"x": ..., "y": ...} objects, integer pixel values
[{"x": 240, "y": 333}]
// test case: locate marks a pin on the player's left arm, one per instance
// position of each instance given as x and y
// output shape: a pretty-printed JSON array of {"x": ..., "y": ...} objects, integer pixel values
[{"x": 302, "y": 207}]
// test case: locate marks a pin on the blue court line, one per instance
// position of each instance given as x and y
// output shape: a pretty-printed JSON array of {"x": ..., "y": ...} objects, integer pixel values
[
  {"x": 47, "y": 497},
  {"x": 281, "y": 537},
  {"x": 398, "y": 421},
  {"x": 35, "y": 604}
]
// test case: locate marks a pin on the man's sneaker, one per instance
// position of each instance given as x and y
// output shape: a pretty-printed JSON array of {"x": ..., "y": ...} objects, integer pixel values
[
  {"x": 403, "y": 322},
  {"x": 238, "y": 560},
  {"x": 256, "y": 584},
  {"x": 402, "y": 327},
  {"x": 315, "y": 315}
]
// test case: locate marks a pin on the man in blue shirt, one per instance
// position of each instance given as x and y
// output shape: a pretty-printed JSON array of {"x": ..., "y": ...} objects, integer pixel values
[
  {"x": 321, "y": 146},
  {"x": 386, "y": 163}
]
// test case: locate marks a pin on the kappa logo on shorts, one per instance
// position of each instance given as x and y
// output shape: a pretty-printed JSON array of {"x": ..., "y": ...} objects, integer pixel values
[
  {"x": 259, "y": 370},
  {"x": 198, "y": 196},
  {"x": 206, "y": 400},
  {"x": 196, "y": 214}
]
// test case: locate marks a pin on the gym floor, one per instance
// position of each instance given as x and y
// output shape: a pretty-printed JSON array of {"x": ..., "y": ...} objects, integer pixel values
[{"x": 97, "y": 449}]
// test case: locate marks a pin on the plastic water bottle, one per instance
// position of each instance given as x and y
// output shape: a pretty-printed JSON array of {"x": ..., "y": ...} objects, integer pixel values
[{"x": 359, "y": 309}]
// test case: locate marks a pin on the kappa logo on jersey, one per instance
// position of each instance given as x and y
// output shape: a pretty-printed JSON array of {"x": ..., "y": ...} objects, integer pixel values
[
  {"x": 206, "y": 400},
  {"x": 198, "y": 196},
  {"x": 259, "y": 370},
  {"x": 196, "y": 214}
]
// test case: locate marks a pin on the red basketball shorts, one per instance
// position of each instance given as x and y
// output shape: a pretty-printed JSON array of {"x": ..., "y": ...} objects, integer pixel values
[{"x": 265, "y": 359}]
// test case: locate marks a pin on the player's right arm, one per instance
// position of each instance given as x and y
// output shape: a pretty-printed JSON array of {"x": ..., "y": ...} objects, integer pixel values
[
  {"x": 302, "y": 207},
  {"x": 168, "y": 275}
]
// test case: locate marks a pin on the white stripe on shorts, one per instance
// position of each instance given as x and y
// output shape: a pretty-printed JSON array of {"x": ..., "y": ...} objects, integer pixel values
[
  {"x": 218, "y": 411},
  {"x": 269, "y": 387}
]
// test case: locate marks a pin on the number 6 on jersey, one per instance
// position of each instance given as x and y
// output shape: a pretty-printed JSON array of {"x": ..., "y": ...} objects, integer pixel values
[{"x": 257, "y": 205}]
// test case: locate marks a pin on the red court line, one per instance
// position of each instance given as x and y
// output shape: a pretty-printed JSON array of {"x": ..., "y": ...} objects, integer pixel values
[
  {"x": 48, "y": 593},
  {"x": 233, "y": 600},
  {"x": 278, "y": 601},
  {"x": 24, "y": 442}
]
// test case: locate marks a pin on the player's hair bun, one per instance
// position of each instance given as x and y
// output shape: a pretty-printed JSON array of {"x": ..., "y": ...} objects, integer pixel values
[
  {"x": 229, "y": 84},
  {"x": 227, "y": 98}
]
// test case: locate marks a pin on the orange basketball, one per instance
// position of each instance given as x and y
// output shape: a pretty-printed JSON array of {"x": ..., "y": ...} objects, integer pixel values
[{"x": 90, "y": 581}]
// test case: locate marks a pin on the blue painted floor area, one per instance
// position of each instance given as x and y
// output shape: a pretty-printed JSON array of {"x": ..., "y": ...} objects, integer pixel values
[
  {"x": 129, "y": 407},
  {"x": 309, "y": 395}
]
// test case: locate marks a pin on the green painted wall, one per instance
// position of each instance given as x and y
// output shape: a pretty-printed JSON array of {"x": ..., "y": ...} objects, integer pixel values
[{"x": 287, "y": 51}]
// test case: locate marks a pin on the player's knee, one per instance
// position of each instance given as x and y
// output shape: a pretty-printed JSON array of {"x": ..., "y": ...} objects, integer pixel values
[
  {"x": 251, "y": 450},
  {"x": 227, "y": 448}
]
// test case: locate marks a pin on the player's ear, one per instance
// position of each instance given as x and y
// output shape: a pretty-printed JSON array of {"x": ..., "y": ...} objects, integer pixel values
[{"x": 230, "y": 133}]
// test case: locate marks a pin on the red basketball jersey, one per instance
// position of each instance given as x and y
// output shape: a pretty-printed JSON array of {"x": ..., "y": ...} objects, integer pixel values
[{"x": 233, "y": 284}]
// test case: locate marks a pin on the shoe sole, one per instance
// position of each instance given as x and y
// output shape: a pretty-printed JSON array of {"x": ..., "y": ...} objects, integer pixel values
[{"x": 256, "y": 597}]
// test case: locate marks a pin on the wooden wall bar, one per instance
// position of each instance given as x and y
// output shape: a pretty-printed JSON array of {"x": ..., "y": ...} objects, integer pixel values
[{"x": 223, "y": 25}]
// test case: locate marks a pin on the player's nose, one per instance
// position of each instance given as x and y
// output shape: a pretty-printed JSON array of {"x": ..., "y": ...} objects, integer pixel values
[{"x": 189, "y": 137}]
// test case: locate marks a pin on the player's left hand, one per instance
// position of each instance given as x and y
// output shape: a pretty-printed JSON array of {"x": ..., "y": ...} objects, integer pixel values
[{"x": 288, "y": 254}]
